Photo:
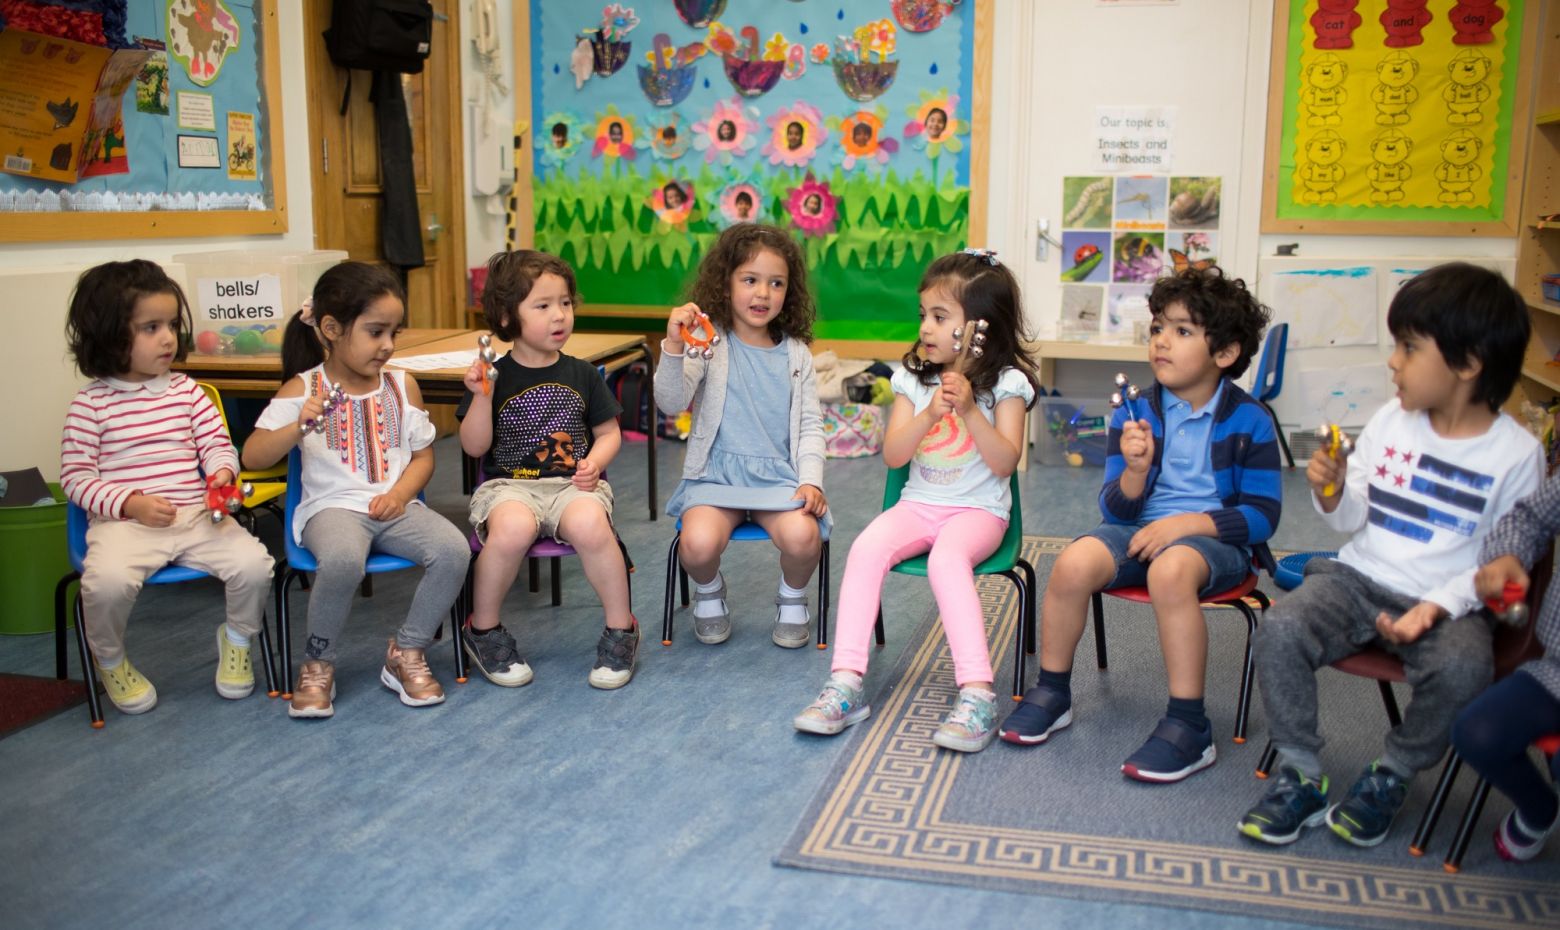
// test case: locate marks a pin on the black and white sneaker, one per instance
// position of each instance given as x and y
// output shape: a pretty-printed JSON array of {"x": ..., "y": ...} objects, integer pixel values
[
  {"x": 494, "y": 654},
  {"x": 615, "y": 655}
]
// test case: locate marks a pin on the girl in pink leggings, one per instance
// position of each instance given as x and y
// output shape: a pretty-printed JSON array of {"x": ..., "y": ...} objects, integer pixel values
[{"x": 958, "y": 421}]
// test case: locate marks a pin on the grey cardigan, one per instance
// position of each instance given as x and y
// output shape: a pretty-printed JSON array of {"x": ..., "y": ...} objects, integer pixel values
[
  {"x": 1527, "y": 531},
  {"x": 681, "y": 383}
]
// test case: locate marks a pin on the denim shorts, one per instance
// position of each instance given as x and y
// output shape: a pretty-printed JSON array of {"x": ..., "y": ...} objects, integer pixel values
[{"x": 1228, "y": 565}]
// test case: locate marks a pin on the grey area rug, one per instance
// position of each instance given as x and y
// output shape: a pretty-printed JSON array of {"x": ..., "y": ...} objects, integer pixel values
[{"x": 1060, "y": 818}]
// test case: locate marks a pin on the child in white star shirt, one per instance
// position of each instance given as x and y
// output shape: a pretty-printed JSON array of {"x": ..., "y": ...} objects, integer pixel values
[{"x": 1429, "y": 476}]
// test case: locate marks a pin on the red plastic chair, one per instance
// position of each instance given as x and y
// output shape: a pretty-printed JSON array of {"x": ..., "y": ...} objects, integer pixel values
[{"x": 1235, "y": 597}]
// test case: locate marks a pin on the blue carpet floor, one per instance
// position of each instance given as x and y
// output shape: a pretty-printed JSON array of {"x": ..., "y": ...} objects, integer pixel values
[{"x": 553, "y": 805}]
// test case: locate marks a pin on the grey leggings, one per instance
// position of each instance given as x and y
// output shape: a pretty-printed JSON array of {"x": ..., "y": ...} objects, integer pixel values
[{"x": 341, "y": 540}]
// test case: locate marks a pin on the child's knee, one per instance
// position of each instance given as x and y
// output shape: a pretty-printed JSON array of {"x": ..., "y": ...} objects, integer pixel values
[
  {"x": 798, "y": 537},
  {"x": 510, "y": 531},
  {"x": 1179, "y": 572},
  {"x": 1082, "y": 567},
  {"x": 109, "y": 581},
  {"x": 588, "y": 526}
]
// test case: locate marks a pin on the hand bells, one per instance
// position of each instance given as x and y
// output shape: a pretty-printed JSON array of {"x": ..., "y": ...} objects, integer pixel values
[
  {"x": 1126, "y": 393},
  {"x": 227, "y": 499},
  {"x": 333, "y": 399},
  {"x": 489, "y": 356},
  {"x": 704, "y": 341},
  {"x": 1338, "y": 447}
]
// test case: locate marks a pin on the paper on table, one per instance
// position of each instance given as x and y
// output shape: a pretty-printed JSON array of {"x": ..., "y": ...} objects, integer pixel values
[{"x": 434, "y": 362}]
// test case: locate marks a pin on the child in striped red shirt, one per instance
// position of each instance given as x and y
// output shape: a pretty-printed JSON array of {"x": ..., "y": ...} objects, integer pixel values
[{"x": 136, "y": 442}]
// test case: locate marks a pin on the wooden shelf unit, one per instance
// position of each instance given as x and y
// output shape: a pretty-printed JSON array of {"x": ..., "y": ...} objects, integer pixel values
[{"x": 1538, "y": 241}]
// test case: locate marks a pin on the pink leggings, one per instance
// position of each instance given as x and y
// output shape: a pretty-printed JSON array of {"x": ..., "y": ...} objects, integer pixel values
[{"x": 958, "y": 537}]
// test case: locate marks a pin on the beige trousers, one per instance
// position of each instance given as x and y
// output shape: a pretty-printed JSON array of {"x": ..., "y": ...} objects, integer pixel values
[{"x": 122, "y": 554}]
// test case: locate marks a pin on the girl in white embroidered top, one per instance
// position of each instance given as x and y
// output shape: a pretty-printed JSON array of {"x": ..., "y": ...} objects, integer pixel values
[{"x": 362, "y": 473}]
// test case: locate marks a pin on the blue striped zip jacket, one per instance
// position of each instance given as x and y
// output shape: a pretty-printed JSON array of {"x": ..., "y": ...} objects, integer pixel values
[{"x": 1244, "y": 455}]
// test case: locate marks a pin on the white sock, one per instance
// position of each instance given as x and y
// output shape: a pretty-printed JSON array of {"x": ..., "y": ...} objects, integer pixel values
[
  {"x": 241, "y": 642},
  {"x": 792, "y": 613},
  {"x": 847, "y": 677},
  {"x": 709, "y": 608},
  {"x": 108, "y": 666}
]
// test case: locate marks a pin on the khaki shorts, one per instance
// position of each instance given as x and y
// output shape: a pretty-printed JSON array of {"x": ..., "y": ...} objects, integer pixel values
[{"x": 546, "y": 497}]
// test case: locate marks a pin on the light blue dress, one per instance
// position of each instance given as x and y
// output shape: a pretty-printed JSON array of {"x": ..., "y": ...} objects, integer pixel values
[{"x": 750, "y": 463}]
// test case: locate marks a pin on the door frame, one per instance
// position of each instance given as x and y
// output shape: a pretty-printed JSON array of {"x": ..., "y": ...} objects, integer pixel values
[{"x": 446, "y": 162}]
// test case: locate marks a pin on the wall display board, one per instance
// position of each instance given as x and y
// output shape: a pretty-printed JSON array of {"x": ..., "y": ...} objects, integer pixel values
[
  {"x": 1397, "y": 116},
  {"x": 136, "y": 118},
  {"x": 858, "y": 125}
]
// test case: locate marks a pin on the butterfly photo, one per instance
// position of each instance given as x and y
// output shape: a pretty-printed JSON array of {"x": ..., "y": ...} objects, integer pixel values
[{"x": 1198, "y": 251}]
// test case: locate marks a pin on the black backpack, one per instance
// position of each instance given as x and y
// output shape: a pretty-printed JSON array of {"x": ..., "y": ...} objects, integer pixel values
[{"x": 381, "y": 35}]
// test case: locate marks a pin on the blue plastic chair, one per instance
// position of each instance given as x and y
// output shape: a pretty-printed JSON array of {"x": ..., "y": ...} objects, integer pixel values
[
  {"x": 299, "y": 560},
  {"x": 747, "y": 531},
  {"x": 1005, "y": 561},
  {"x": 1270, "y": 379},
  {"x": 76, "y": 542}
]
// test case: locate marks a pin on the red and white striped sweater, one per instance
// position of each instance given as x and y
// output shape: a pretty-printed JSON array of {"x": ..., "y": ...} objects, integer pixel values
[{"x": 121, "y": 437}]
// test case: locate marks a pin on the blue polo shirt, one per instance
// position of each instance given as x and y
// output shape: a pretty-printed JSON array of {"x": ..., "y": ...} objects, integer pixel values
[{"x": 1185, "y": 482}]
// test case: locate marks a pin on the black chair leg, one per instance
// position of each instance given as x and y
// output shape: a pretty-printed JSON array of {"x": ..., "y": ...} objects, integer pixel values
[
  {"x": 264, "y": 638},
  {"x": 1099, "y": 630},
  {"x": 557, "y": 585},
  {"x": 1282, "y": 442},
  {"x": 673, "y": 570},
  {"x": 456, "y": 623},
  {"x": 1443, "y": 789},
  {"x": 1454, "y": 856},
  {"x": 535, "y": 567},
  {"x": 1032, "y": 626},
  {"x": 1265, "y": 764},
  {"x": 61, "y": 604},
  {"x": 1390, "y": 700},
  {"x": 823, "y": 597},
  {"x": 1248, "y": 672},
  {"x": 88, "y": 673}
]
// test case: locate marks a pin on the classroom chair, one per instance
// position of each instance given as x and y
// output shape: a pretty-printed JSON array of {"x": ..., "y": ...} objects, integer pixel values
[
  {"x": 76, "y": 541},
  {"x": 297, "y": 560},
  {"x": 268, "y": 483},
  {"x": 1269, "y": 379},
  {"x": 1006, "y": 561},
  {"x": 544, "y": 548},
  {"x": 746, "y": 531},
  {"x": 1513, "y": 646},
  {"x": 1236, "y": 597},
  {"x": 1548, "y": 745}
]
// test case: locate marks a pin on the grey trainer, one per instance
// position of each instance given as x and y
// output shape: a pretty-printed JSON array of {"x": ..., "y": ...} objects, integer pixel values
[
  {"x": 790, "y": 635},
  {"x": 716, "y": 629}
]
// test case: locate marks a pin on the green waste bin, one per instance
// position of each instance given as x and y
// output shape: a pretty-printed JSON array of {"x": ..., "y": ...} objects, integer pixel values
[{"x": 33, "y": 558}]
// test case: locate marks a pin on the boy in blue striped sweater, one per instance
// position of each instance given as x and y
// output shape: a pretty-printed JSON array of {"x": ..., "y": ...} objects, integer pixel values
[{"x": 1191, "y": 492}]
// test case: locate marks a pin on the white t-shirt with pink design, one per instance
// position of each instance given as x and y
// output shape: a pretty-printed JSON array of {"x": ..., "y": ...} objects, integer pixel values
[{"x": 947, "y": 470}]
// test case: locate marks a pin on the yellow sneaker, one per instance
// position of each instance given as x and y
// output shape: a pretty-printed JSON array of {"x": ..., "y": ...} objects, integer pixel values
[
  {"x": 235, "y": 674},
  {"x": 128, "y": 691}
]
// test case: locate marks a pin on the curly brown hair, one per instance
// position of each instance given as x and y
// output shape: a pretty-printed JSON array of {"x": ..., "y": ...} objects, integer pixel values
[
  {"x": 736, "y": 246},
  {"x": 1228, "y": 313},
  {"x": 510, "y": 277},
  {"x": 97, "y": 327},
  {"x": 986, "y": 290}
]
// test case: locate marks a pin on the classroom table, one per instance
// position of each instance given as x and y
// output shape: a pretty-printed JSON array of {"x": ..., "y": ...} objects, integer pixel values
[{"x": 260, "y": 375}]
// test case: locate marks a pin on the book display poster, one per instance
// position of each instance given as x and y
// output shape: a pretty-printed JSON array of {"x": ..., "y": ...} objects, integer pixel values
[
  {"x": 847, "y": 123},
  {"x": 123, "y": 112}
]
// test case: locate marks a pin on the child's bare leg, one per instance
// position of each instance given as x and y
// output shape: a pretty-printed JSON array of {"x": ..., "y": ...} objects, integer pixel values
[
  {"x": 1174, "y": 579},
  {"x": 705, "y": 533},
  {"x": 799, "y": 539},
  {"x": 1083, "y": 568},
  {"x": 586, "y": 526},
  {"x": 511, "y": 531}
]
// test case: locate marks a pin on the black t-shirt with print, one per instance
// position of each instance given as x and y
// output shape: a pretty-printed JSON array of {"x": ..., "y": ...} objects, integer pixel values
[{"x": 543, "y": 417}]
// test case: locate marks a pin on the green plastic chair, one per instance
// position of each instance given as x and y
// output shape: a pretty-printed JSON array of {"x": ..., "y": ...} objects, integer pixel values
[{"x": 1004, "y": 561}]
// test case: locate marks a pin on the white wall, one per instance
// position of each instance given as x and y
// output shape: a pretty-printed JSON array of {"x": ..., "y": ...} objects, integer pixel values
[{"x": 485, "y": 230}]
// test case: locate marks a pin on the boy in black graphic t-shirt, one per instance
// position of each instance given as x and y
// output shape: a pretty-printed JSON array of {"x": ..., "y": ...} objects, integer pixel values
[{"x": 545, "y": 435}]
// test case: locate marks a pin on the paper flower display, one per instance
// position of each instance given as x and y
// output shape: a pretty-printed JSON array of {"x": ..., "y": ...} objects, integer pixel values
[
  {"x": 738, "y": 203},
  {"x": 812, "y": 207},
  {"x": 728, "y": 132},
  {"x": 699, "y": 13},
  {"x": 672, "y": 202},
  {"x": 935, "y": 126},
  {"x": 669, "y": 76},
  {"x": 859, "y": 76},
  {"x": 747, "y": 68},
  {"x": 616, "y": 136},
  {"x": 721, "y": 41},
  {"x": 558, "y": 138},
  {"x": 861, "y": 138},
  {"x": 921, "y": 15},
  {"x": 669, "y": 138},
  {"x": 819, "y": 53},
  {"x": 617, "y": 21},
  {"x": 795, "y": 132},
  {"x": 608, "y": 45}
]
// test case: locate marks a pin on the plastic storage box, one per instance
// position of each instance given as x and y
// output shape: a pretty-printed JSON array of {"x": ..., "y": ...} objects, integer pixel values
[
  {"x": 32, "y": 558},
  {"x": 1551, "y": 286},
  {"x": 1071, "y": 430},
  {"x": 241, "y": 300}
]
